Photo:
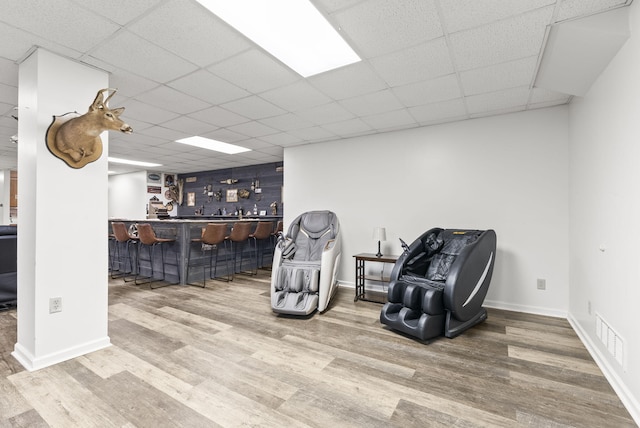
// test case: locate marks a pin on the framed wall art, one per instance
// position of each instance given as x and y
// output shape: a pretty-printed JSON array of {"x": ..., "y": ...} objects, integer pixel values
[{"x": 232, "y": 195}]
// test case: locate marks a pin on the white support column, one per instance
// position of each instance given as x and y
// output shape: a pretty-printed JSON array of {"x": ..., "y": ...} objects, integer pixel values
[
  {"x": 62, "y": 232},
  {"x": 5, "y": 200}
]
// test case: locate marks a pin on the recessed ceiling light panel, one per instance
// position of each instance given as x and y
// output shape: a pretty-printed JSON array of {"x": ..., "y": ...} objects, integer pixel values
[
  {"x": 293, "y": 31},
  {"x": 132, "y": 162},
  {"x": 209, "y": 144}
]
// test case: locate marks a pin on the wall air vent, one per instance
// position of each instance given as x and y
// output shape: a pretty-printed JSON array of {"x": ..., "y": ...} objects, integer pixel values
[{"x": 611, "y": 340}]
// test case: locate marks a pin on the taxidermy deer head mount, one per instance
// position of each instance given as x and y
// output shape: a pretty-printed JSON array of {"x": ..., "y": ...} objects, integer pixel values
[{"x": 76, "y": 139}]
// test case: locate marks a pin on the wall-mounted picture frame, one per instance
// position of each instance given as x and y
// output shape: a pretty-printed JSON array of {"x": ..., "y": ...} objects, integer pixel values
[
  {"x": 169, "y": 180},
  {"x": 191, "y": 199},
  {"x": 232, "y": 195}
]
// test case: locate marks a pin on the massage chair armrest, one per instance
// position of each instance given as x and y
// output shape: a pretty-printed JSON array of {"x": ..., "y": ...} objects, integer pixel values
[{"x": 469, "y": 276}]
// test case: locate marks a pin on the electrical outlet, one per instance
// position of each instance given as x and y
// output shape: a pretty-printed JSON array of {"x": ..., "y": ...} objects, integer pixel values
[
  {"x": 589, "y": 307},
  {"x": 542, "y": 284},
  {"x": 55, "y": 305}
]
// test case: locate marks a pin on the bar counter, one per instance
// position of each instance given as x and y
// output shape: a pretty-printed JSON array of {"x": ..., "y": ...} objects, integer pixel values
[{"x": 183, "y": 230}]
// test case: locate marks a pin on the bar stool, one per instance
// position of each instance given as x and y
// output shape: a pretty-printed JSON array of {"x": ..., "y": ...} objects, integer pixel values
[
  {"x": 260, "y": 235},
  {"x": 238, "y": 237},
  {"x": 213, "y": 235},
  {"x": 149, "y": 240},
  {"x": 275, "y": 233},
  {"x": 122, "y": 243}
]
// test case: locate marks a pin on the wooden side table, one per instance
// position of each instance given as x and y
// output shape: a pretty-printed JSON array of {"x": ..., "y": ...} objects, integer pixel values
[{"x": 362, "y": 278}]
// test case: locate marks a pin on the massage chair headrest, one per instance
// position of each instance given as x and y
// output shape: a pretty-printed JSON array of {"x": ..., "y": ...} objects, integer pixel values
[{"x": 315, "y": 224}]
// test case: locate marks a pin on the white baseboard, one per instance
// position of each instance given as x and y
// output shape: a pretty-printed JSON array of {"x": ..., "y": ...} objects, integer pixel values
[
  {"x": 31, "y": 362},
  {"x": 537, "y": 310},
  {"x": 628, "y": 400}
]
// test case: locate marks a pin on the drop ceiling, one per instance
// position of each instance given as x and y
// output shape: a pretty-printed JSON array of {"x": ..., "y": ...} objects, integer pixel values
[{"x": 181, "y": 71}]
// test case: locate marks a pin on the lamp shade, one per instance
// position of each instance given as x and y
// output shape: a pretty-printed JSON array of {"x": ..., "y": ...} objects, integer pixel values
[{"x": 379, "y": 234}]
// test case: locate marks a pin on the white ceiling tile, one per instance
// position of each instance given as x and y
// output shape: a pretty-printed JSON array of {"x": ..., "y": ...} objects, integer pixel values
[
  {"x": 219, "y": 117},
  {"x": 130, "y": 52},
  {"x": 8, "y": 93},
  {"x": 315, "y": 133},
  {"x": 172, "y": 100},
  {"x": 545, "y": 96},
  {"x": 80, "y": 30},
  {"x": 130, "y": 85},
  {"x": 464, "y": 14},
  {"x": 334, "y": 5},
  {"x": 369, "y": 104},
  {"x": 205, "y": 38},
  {"x": 147, "y": 113},
  {"x": 372, "y": 26},
  {"x": 503, "y": 41},
  {"x": 162, "y": 133},
  {"x": 8, "y": 71},
  {"x": 327, "y": 113},
  {"x": 119, "y": 11},
  {"x": 283, "y": 139},
  {"x": 349, "y": 81},
  {"x": 429, "y": 91},
  {"x": 496, "y": 101},
  {"x": 253, "y": 107},
  {"x": 569, "y": 9},
  {"x": 16, "y": 43},
  {"x": 397, "y": 119},
  {"x": 286, "y": 122},
  {"x": 254, "y": 71},
  {"x": 430, "y": 113},
  {"x": 225, "y": 135},
  {"x": 297, "y": 96},
  {"x": 424, "y": 61},
  {"x": 207, "y": 87},
  {"x": 500, "y": 76},
  {"x": 253, "y": 129},
  {"x": 189, "y": 126},
  {"x": 348, "y": 127}
]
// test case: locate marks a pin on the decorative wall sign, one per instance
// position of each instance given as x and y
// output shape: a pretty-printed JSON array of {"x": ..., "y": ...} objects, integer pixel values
[
  {"x": 154, "y": 189},
  {"x": 153, "y": 177},
  {"x": 76, "y": 138},
  {"x": 191, "y": 179},
  {"x": 191, "y": 199},
  {"x": 232, "y": 195}
]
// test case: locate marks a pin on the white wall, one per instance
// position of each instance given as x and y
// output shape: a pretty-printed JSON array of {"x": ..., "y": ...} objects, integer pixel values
[
  {"x": 508, "y": 173},
  {"x": 605, "y": 213},
  {"x": 128, "y": 195}
]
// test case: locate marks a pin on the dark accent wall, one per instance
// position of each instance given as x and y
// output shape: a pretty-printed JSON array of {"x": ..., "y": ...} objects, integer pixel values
[{"x": 270, "y": 182}]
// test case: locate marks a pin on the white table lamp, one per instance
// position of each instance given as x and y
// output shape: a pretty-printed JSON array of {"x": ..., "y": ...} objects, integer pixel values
[{"x": 379, "y": 234}]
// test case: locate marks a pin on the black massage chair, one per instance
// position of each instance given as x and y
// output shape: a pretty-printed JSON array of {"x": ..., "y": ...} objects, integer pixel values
[{"x": 439, "y": 283}]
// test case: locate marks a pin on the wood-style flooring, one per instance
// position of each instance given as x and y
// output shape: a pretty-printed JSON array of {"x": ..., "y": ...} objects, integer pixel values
[{"x": 191, "y": 357}]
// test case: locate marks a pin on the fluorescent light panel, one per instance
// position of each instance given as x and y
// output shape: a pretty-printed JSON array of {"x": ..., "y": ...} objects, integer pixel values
[
  {"x": 132, "y": 162},
  {"x": 293, "y": 31},
  {"x": 209, "y": 144}
]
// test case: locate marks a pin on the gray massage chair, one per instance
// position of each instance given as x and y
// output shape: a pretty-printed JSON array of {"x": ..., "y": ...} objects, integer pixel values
[
  {"x": 439, "y": 283},
  {"x": 305, "y": 264}
]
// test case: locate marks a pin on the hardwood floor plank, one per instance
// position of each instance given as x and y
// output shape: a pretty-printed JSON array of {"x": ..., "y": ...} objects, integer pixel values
[
  {"x": 219, "y": 356},
  {"x": 12, "y": 403},
  {"x": 560, "y": 361},
  {"x": 365, "y": 362},
  {"x": 63, "y": 401}
]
